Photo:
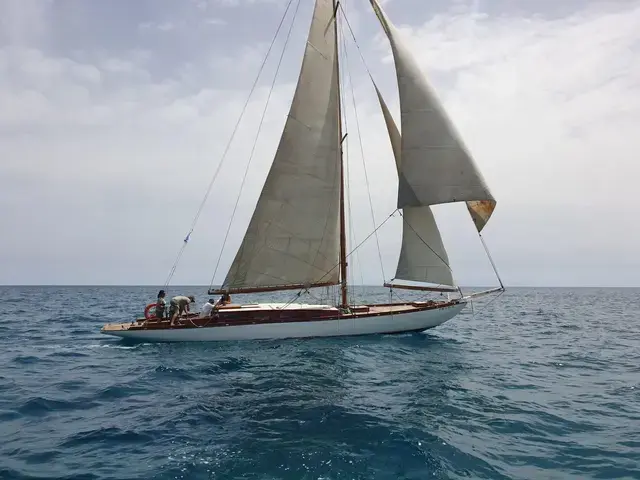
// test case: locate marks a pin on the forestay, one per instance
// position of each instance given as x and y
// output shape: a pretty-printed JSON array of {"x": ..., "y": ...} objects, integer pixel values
[
  {"x": 435, "y": 162},
  {"x": 293, "y": 236}
]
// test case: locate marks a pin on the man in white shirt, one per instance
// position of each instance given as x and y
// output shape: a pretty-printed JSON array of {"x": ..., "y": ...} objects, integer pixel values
[{"x": 208, "y": 307}]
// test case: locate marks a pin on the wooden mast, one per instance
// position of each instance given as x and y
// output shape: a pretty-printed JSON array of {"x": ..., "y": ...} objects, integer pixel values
[{"x": 343, "y": 236}]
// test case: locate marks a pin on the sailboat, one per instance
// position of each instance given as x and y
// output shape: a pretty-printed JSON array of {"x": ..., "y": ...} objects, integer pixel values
[{"x": 296, "y": 238}]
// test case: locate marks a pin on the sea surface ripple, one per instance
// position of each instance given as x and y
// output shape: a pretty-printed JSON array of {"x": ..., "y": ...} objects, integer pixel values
[{"x": 540, "y": 383}]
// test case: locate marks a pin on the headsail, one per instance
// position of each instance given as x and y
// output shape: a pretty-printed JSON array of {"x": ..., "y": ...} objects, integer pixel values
[
  {"x": 435, "y": 162},
  {"x": 423, "y": 257},
  {"x": 293, "y": 237}
]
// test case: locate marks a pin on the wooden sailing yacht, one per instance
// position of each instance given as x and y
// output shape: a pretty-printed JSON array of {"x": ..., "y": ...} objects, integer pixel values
[{"x": 296, "y": 239}]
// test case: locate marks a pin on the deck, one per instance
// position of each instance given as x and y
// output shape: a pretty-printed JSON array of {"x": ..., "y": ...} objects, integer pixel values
[{"x": 253, "y": 314}]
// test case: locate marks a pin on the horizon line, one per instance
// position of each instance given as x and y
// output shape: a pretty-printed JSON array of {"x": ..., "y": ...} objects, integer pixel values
[{"x": 353, "y": 285}]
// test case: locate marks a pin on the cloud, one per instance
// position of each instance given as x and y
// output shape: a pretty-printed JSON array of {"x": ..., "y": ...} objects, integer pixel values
[
  {"x": 207, "y": 5},
  {"x": 105, "y": 153},
  {"x": 24, "y": 21},
  {"x": 548, "y": 107},
  {"x": 163, "y": 27}
]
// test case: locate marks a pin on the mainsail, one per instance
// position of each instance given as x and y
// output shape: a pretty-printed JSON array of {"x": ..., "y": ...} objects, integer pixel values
[
  {"x": 423, "y": 257},
  {"x": 436, "y": 164},
  {"x": 293, "y": 237}
]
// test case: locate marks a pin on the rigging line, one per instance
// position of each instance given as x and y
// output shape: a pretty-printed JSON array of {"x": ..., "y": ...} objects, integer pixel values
[
  {"x": 490, "y": 259},
  {"x": 295, "y": 297},
  {"x": 226, "y": 150},
  {"x": 175, "y": 263},
  {"x": 364, "y": 62},
  {"x": 364, "y": 166},
  {"x": 355, "y": 41},
  {"x": 372, "y": 233},
  {"x": 360, "y": 244},
  {"x": 255, "y": 142},
  {"x": 318, "y": 299},
  {"x": 493, "y": 300},
  {"x": 487, "y": 304},
  {"x": 422, "y": 240},
  {"x": 352, "y": 235},
  {"x": 350, "y": 253}
]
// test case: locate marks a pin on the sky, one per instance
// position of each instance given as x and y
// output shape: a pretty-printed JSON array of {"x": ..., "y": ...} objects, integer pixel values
[{"x": 115, "y": 115}]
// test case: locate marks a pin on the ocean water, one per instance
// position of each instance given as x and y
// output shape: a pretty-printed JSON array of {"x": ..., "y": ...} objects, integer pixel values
[{"x": 538, "y": 384}]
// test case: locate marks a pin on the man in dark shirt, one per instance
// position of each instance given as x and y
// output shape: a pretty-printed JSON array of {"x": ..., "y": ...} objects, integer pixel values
[{"x": 161, "y": 305}]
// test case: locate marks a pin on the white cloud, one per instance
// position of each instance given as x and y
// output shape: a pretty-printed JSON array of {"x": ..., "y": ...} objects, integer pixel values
[
  {"x": 214, "y": 21},
  {"x": 206, "y": 5},
  {"x": 115, "y": 158},
  {"x": 166, "y": 27},
  {"x": 163, "y": 27}
]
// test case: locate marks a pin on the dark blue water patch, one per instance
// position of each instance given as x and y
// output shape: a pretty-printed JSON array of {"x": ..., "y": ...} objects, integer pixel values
[
  {"x": 106, "y": 436},
  {"x": 7, "y": 384},
  {"x": 41, "y": 457},
  {"x": 8, "y": 416},
  {"x": 71, "y": 385},
  {"x": 41, "y": 406},
  {"x": 122, "y": 391},
  {"x": 520, "y": 386},
  {"x": 202, "y": 412},
  {"x": 163, "y": 372},
  {"x": 10, "y": 474},
  {"x": 632, "y": 444},
  {"x": 69, "y": 354},
  {"x": 391, "y": 455},
  {"x": 72, "y": 318},
  {"x": 26, "y": 359},
  {"x": 81, "y": 331}
]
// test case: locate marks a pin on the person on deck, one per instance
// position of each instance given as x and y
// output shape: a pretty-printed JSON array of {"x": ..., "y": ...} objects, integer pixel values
[
  {"x": 207, "y": 308},
  {"x": 225, "y": 299},
  {"x": 179, "y": 305},
  {"x": 161, "y": 305}
]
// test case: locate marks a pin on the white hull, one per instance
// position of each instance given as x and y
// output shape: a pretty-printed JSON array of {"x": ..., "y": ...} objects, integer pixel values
[{"x": 364, "y": 325}]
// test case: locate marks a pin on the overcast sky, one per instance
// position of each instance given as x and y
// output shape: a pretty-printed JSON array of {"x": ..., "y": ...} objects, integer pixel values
[{"x": 114, "y": 116}]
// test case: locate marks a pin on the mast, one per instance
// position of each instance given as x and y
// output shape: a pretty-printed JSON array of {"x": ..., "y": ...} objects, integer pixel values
[{"x": 343, "y": 234}]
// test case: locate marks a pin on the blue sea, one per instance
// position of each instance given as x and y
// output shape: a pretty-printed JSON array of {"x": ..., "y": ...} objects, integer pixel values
[{"x": 537, "y": 384}]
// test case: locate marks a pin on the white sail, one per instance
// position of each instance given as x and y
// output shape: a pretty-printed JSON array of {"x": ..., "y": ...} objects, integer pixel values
[
  {"x": 293, "y": 236},
  {"x": 435, "y": 162},
  {"x": 423, "y": 257}
]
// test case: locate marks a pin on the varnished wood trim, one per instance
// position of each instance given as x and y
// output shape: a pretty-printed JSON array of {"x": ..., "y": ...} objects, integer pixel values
[
  {"x": 418, "y": 287},
  {"x": 273, "y": 288}
]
